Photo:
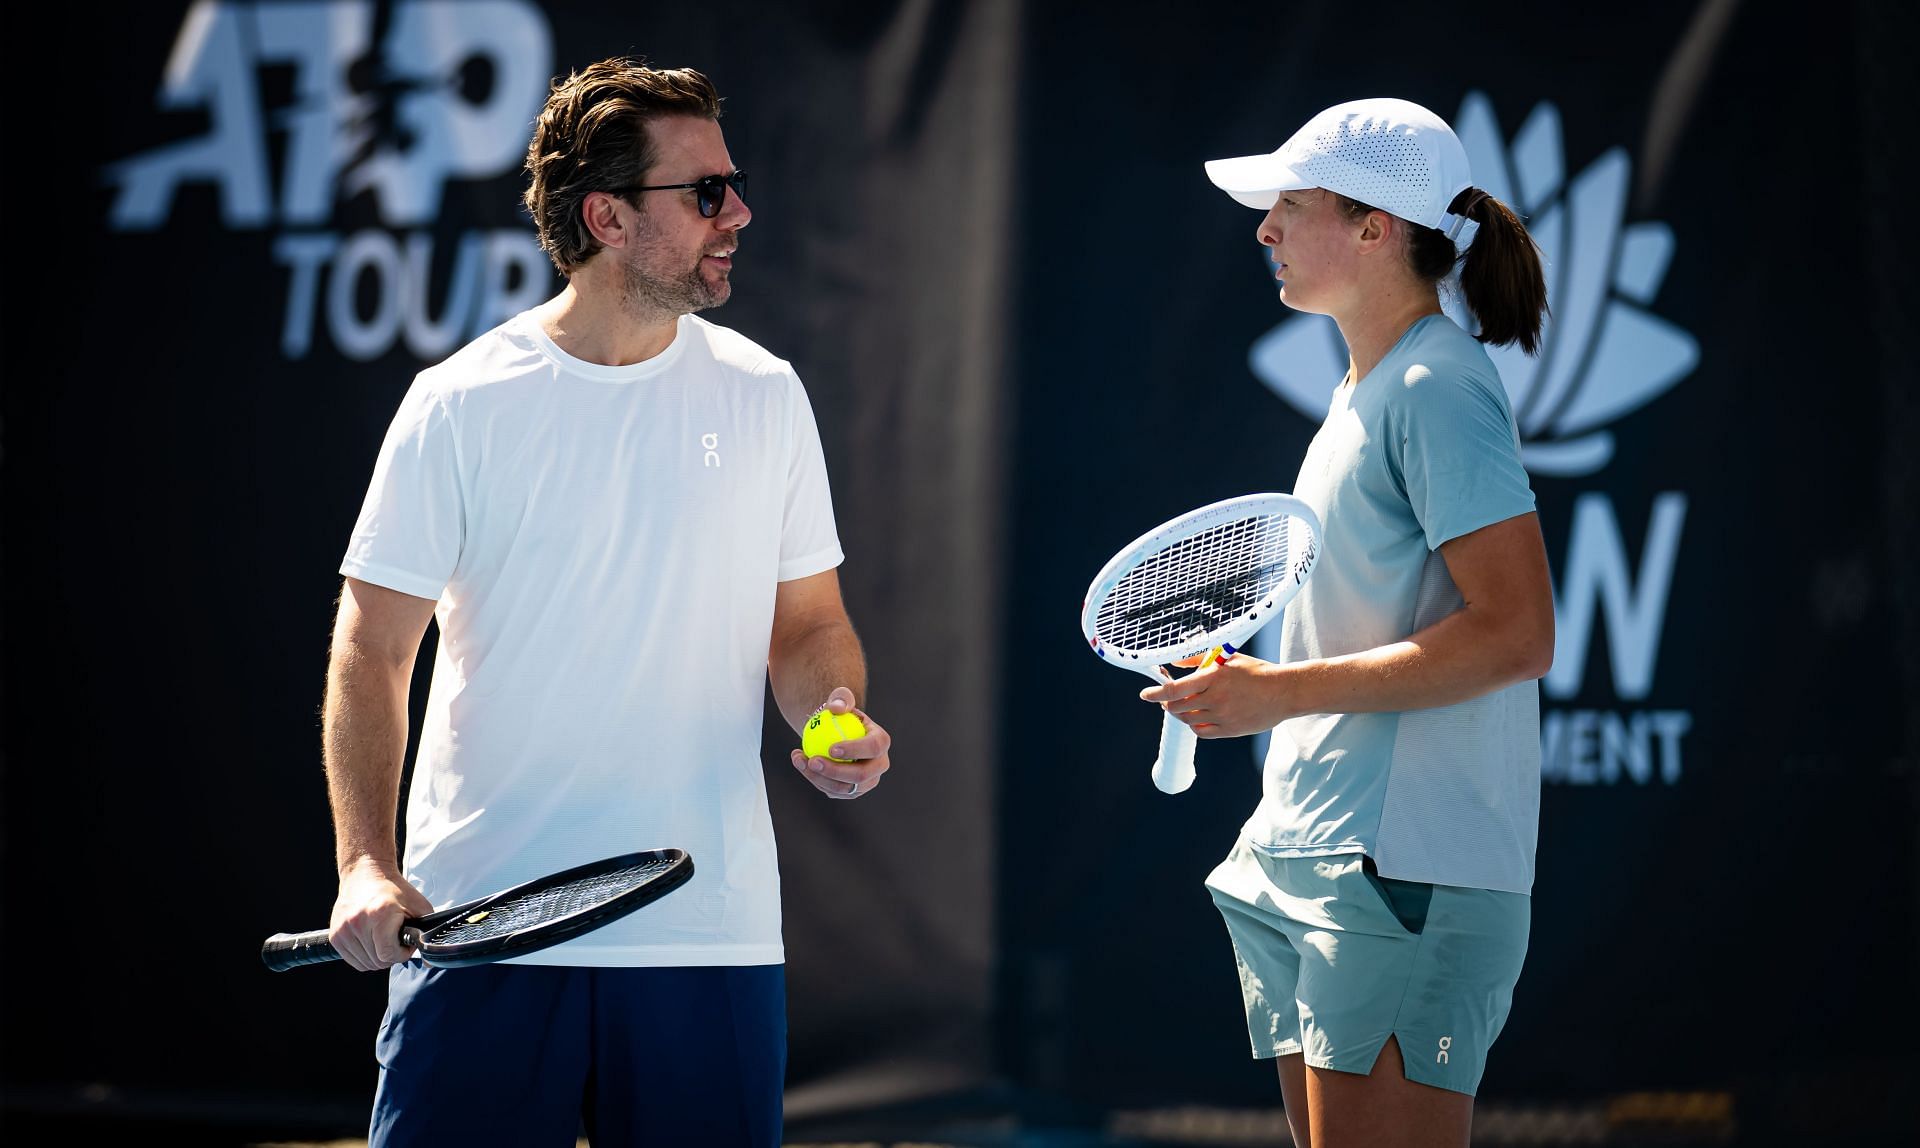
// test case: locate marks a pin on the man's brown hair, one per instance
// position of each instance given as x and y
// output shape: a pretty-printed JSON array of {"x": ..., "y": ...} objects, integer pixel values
[{"x": 592, "y": 136}]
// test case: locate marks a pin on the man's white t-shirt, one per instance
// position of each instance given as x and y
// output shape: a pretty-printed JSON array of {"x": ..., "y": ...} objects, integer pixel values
[{"x": 604, "y": 545}]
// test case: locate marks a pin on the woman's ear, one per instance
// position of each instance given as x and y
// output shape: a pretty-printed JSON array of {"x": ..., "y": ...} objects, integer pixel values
[{"x": 1375, "y": 230}]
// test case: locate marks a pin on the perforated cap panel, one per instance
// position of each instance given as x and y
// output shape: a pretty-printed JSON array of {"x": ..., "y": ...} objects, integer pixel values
[
  {"x": 1383, "y": 168},
  {"x": 1390, "y": 154}
]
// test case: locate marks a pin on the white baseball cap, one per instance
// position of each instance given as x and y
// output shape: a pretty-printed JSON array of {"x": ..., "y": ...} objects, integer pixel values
[{"x": 1390, "y": 154}]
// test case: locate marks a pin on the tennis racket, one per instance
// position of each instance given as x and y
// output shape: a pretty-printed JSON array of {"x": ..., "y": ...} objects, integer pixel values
[
  {"x": 516, "y": 921},
  {"x": 1207, "y": 580}
]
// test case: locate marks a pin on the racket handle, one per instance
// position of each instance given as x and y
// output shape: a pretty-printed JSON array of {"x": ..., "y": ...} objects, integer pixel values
[
  {"x": 1173, "y": 770},
  {"x": 285, "y": 951}
]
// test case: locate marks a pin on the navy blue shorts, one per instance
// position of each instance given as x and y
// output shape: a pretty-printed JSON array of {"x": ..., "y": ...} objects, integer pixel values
[{"x": 535, "y": 1055}]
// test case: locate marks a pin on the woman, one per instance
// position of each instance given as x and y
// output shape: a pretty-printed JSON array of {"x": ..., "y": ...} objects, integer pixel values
[{"x": 1378, "y": 899}]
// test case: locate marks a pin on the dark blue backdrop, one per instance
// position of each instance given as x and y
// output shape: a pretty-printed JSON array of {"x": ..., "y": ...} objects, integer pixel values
[{"x": 1033, "y": 329}]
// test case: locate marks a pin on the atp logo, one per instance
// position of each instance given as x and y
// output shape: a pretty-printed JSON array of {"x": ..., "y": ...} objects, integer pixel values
[
  {"x": 388, "y": 100},
  {"x": 1604, "y": 353}
]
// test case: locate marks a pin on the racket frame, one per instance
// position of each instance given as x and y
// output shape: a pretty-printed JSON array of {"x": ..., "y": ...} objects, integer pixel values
[
  {"x": 285, "y": 950},
  {"x": 1173, "y": 769}
]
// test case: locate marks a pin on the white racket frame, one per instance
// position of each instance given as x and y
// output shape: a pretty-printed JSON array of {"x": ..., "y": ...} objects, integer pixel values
[{"x": 1173, "y": 767}]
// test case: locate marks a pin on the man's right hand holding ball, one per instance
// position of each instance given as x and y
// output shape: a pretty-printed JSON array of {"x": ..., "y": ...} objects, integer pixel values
[{"x": 844, "y": 750}]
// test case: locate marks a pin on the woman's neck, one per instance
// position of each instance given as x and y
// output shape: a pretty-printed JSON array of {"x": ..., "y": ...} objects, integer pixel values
[{"x": 1378, "y": 323}]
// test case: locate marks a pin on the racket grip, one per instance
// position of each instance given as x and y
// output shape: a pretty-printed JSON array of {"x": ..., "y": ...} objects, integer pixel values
[
  {"x": 285, "y": 951},
  {"x": 1173, "y": 770}
]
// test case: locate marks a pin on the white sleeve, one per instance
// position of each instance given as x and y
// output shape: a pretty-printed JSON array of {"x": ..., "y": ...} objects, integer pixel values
[
  {"x": 413, "y": 521},
  {"x": 809, "y": 543}
]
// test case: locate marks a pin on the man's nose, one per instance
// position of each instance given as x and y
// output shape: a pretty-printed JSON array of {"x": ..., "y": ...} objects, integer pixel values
[{"x": 734, "y": 212}]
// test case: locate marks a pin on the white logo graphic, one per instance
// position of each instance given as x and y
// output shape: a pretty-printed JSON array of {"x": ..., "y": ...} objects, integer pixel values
[
  {"x": 390, "y": 102},
  {"x": 711, "y": 442},
  {"x": 1446, "y": 1042},
  {"x": 1602, "y": 355}
]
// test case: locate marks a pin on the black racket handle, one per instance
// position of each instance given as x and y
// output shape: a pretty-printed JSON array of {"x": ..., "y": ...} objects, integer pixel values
[{"x": 285, "y": 951}]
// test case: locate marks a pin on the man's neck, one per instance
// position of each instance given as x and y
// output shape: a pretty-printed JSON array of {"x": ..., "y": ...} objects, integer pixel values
[{"x": 593, "y": 322}]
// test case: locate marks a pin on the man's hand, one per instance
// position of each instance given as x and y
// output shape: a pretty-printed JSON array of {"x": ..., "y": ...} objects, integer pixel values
[
  {"x": 374, "y": 902},
  {"x": 856, "y": 778},
  {"x": 1235, "y": 696}
]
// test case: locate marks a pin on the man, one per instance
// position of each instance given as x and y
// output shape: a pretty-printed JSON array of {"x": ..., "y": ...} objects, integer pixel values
[{"x": 619, "y": 515}]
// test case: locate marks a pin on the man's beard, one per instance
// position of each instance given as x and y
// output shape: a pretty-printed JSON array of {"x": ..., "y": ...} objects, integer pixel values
[{"x": 677, "y": 295}]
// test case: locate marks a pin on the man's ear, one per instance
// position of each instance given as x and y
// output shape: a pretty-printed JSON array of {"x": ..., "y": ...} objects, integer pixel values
[{"x": 601, "y": 214}]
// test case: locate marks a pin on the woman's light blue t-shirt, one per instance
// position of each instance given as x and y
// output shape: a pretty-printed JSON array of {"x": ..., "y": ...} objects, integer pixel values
[{"x": 1421, "y": 451}]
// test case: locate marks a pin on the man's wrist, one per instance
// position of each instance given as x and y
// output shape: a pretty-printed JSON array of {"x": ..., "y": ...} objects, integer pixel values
[{"x": 379, "y": 862}]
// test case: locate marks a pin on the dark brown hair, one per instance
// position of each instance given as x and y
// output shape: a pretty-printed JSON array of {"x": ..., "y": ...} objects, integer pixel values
[
  {"x": 1500, "y": 274},
  {"x": 592, "y": 136}
]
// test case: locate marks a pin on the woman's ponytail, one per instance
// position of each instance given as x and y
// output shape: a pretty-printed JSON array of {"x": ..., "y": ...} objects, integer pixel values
[{"x": 1500, "y": 274}]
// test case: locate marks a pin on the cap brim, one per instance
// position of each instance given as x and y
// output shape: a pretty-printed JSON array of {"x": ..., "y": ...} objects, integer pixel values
[{"x": 1254, "y": 180}]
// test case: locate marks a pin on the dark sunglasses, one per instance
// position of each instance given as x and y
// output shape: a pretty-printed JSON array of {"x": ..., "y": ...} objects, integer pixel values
[{"x": 710, "y": 190}]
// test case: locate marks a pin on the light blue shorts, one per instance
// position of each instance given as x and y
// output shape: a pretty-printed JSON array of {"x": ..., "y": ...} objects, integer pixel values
[{"x": 1335, "y": 959}]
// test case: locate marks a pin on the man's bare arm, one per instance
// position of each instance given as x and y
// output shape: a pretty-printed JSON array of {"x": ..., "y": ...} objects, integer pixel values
[
  {"x": 814, "y": 648},
  {"x": 814, "y": 660},
  {"x": 376, "y": 638}
]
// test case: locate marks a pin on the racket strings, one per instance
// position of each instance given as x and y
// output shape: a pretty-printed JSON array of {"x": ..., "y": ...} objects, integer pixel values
[
  {"x": 1197, "y": 584},
  {"x": 552, "y": 904}
]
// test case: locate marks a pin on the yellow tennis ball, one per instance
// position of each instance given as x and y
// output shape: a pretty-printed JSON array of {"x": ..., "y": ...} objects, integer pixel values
[{"x": 826, "y": 729}]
